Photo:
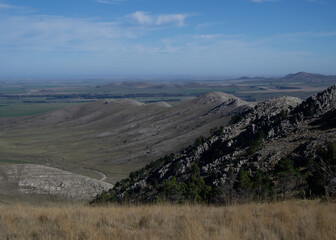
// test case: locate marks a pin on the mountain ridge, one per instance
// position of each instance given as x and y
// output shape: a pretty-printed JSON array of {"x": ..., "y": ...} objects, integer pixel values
[{"x": 276, "y": 140}]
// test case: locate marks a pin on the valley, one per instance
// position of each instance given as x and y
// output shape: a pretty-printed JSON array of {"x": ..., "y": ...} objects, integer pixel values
[
  {"x": 147, "y": 119},
  {"x": 113, "y": 136}
]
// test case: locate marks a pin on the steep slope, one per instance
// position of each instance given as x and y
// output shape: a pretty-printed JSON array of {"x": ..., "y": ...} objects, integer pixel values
[
  {"x": 113, "y": 137},
  {"x": 279, "y": 147}
]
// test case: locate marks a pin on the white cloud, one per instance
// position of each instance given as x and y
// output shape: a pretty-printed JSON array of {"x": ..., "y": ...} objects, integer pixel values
[
  {"x": 142, "y": 18},
  {"x": 145, "y": 18},
  {"x": 177, "y": 19}
]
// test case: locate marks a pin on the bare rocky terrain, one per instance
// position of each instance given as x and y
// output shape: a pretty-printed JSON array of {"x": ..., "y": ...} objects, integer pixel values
[{"x": 21, "y": 181}]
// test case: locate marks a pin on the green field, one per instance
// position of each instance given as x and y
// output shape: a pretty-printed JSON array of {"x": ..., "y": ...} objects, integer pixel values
[
  {"x": 6, "y": 161},
  {"x": 29, "y": 109}
]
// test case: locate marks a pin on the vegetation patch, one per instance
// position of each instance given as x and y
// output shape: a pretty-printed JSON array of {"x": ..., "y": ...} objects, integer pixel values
[{"x": 279, "y": 220}]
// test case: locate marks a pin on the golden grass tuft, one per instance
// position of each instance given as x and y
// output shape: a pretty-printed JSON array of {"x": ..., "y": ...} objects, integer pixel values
[{"x": 281, "y": 220}]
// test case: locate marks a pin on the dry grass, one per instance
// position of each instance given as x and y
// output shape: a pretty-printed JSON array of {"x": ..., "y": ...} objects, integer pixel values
[{"x": 282, "y": 220}]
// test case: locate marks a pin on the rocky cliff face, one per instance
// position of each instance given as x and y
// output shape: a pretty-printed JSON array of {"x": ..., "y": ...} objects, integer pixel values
[{"x": 278, "y": 140}]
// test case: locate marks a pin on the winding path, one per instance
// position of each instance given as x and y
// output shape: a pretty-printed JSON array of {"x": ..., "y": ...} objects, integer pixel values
[{"x": 100, "y": 173}]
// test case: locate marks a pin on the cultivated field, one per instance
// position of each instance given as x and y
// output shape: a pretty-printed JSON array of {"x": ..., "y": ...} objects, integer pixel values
[{"x": 281, "y": 220}]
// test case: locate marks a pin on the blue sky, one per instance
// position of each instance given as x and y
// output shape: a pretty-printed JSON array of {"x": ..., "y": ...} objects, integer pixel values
[{"x": 106, "y": 38}]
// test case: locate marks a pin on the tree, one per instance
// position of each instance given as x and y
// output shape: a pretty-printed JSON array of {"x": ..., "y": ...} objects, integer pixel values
[
  {"x": 172, "y": 190},
  {"x": 262, "y": 185},
  {"x": 243, "y": 184},
  {"x": 196, "y": 189},
  {"x": 323, "y": 178},
  {"x": 285, "y": 173}
]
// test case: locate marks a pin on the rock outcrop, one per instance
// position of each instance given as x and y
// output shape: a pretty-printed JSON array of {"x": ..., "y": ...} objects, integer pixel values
[{"x": 23, "y": 180}]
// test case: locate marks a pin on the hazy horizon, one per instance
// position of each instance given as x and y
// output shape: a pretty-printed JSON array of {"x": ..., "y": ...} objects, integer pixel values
[{"x": 149, "y": 78}]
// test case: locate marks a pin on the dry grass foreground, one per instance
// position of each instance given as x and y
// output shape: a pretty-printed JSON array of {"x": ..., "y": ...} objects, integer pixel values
[{"x": 282, "y": 220}]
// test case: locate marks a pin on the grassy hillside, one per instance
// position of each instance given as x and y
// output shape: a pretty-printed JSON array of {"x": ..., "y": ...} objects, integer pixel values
[
  {"x": 281, "y": 220},
  {"x": 113, "y": 137}
]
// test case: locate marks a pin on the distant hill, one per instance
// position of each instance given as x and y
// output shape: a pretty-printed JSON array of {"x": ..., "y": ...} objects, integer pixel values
[
  {"x": 310, "y": 77},
  {"x": 293, "y": 78},
  {"x": 281, "y": 148}
]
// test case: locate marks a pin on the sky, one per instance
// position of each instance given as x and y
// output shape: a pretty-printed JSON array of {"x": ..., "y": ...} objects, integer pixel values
[{"x": 106, "y": 38}]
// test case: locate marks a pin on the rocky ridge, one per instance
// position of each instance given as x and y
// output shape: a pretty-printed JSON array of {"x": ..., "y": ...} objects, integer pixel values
[{"x": 257, "y": 143}]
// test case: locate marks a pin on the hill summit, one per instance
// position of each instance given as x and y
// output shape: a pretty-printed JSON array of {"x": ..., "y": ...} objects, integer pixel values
[{"x": 304, "y": 76}]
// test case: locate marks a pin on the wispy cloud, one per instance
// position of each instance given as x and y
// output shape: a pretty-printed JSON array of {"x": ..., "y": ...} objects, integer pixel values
[
  {"x": 208, "y": 36},
  {"x": 145, "y": 18},
  {"x": 110, "y": 1},
  {"x": 209, "y": 24},
  {"x": 16, "y": 8},
  {"x": 259, "y": 1},
  {"x": 177, "y": 19},
  {"x": 5, "y": 6},
  {"x": 297, "y": 36},
  {"x": 50, "y": 33},
  {"x": 134, "y": 41}
]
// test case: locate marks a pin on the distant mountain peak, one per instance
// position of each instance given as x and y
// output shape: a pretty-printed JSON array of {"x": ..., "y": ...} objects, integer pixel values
[{"x": 304, "y": 76}]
